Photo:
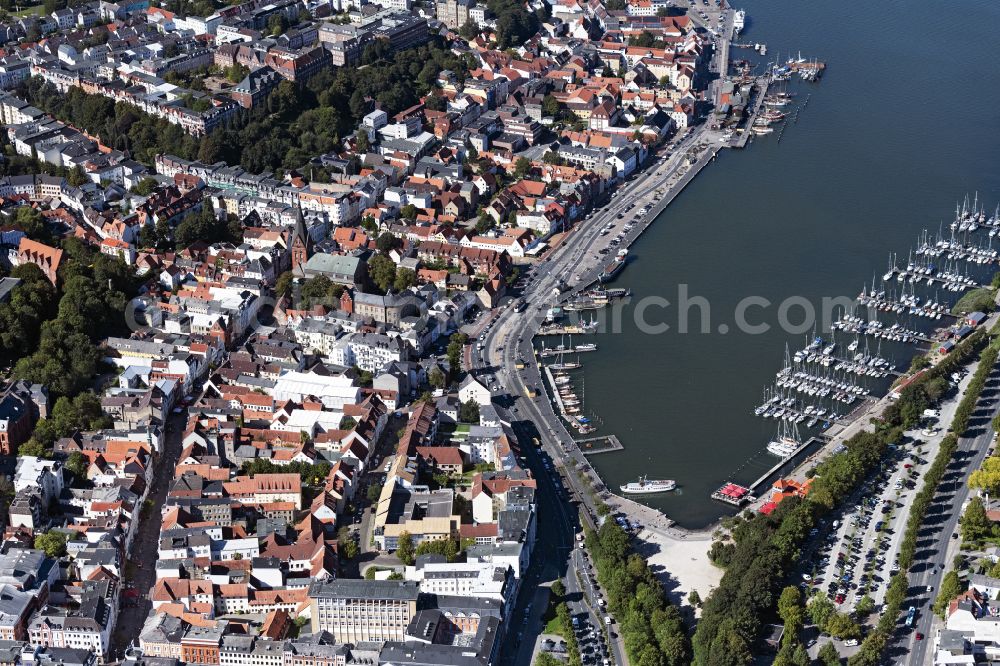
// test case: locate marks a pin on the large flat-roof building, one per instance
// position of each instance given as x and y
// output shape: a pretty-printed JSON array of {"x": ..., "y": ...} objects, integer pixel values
[{"x": 356, "y": 611}]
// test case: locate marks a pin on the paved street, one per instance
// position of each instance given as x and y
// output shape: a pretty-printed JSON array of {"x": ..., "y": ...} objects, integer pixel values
[
  {"x": 142, "y": 562},
  {"x": 935, "y": 548},
  {"x": 509, "y": 339}
]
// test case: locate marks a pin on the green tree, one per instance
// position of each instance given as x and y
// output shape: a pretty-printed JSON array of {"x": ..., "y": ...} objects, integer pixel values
[
  {"x": 405, "y": 550},
  {"x": 29, "y": 304},
  {"x": 33, "y": 448},
  {"x": 408, "y": 212},
  {"x": 283, "y": 285},
  {"x": 974, "y": 522},
  {"x": 790, "y": 606},
  {"x": 828, "y": 655},
  {"x": 236, "y": 73},
  {"x": 448, "y": 548},
  {"x": 840, "y": 625},
  {"x": 987, "y": 477},
  {"x": 484, "y": 223},
  {"x": 820, "y": 609},
  {"x": 374, "y": 492},
  {"x": 145, "y": 187},
  {"x": 468, "y": 412},
  {"x": 558, "y": 589},
  {"x": 436, "y": 378},
  {"x": 76, "y": 176},
  {"x": 454, "y": 351},
  {"x": 382, "y": 271},
  {"x": 346, "y": 545},
  {"x": 32, "y": 223},
  {"x": 522, "y": 167},
  {"x": 362, "y": 143},
  {"x": 77, "y": 463},
  {"x": 52, "y": 543},
  {"x": 950, "y": 588},
  {"x": 551, "y": 106},
  {"x": 405, "y": 278},
  {"x": 694, "y": 598},
  {"x": 277, "y": 24},
  {"x": 387, "y": 241},
  {"x": 864, "y": 606}
]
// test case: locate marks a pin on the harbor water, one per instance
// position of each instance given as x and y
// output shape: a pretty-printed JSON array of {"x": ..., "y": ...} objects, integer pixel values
[{"x": 902, "y": 125}]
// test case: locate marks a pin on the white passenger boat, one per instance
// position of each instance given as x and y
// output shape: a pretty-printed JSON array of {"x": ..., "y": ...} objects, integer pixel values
[{"x": 646, "y": 486}]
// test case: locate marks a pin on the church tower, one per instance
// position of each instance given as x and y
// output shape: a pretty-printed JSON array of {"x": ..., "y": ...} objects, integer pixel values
[{"x": 301, "y": 243}]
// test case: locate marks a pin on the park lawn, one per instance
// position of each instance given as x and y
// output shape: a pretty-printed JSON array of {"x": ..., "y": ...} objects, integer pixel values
[{"x": 36, "y": 10}]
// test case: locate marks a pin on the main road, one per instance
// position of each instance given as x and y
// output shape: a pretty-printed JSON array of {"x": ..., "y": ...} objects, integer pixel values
[
  {"x": 507, "y": 343},
  {"x": 934, "y": 542}
]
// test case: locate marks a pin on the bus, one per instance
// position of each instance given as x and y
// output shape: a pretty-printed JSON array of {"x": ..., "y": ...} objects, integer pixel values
[{"x": 911, "y": 616}]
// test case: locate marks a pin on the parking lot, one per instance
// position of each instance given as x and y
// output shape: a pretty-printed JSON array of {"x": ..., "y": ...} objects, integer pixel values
[
  {"x": 859, "y": 547},
  {"x": 862, "y": 549}
]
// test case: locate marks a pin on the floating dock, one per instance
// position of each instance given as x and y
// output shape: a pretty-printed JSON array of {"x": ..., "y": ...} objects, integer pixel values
[
  {"x": 733, "y": 493},
  {"x": 603, "y": 444}
]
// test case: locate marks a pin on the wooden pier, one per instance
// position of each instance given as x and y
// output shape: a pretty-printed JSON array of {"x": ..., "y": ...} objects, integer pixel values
[
  {"x": 787, "y": 463},
  {"x": 744, "y": 138},
  {"x": 555, "y": 393},
  {"x": 934, "y": 279}
]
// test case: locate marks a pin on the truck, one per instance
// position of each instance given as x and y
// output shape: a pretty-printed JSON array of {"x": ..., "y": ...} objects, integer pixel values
[{"x": 520, "y": 305}]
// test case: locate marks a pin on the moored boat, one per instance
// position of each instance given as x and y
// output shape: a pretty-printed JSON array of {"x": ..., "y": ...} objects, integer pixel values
[{"x": 646, "y": 486}]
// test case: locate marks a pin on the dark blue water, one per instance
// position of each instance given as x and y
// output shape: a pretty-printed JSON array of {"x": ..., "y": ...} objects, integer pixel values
[{"x": 903, "y": 124}]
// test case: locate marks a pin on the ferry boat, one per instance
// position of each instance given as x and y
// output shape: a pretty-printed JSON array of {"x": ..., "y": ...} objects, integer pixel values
[
  {"x": 612, "y": 270},
  {"x": 604, "y": 293},
  {"x": 739, "y": 21},
  {"x": 645, "y": 486}
]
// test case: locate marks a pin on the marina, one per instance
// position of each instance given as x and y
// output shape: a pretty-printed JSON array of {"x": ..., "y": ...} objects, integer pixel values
[
  {"x": 568, "y": 404},
  {"x": 792, "y": 245}
]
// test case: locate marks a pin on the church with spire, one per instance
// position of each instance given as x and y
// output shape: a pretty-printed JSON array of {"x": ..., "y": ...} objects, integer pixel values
[{"x": 301, "y": 245}]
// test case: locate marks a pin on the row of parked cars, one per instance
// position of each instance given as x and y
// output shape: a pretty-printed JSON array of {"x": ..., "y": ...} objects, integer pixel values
[{"x": 855, "y": 557}]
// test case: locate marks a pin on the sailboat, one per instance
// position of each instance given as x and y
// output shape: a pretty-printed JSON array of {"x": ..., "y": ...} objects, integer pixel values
[{"x": 787, "y": 442}]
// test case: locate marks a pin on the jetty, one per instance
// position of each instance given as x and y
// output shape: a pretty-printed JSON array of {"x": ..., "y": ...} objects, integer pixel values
[
  {"x": 784, "y": 465},
  {"x": 762, "y": 85}
]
